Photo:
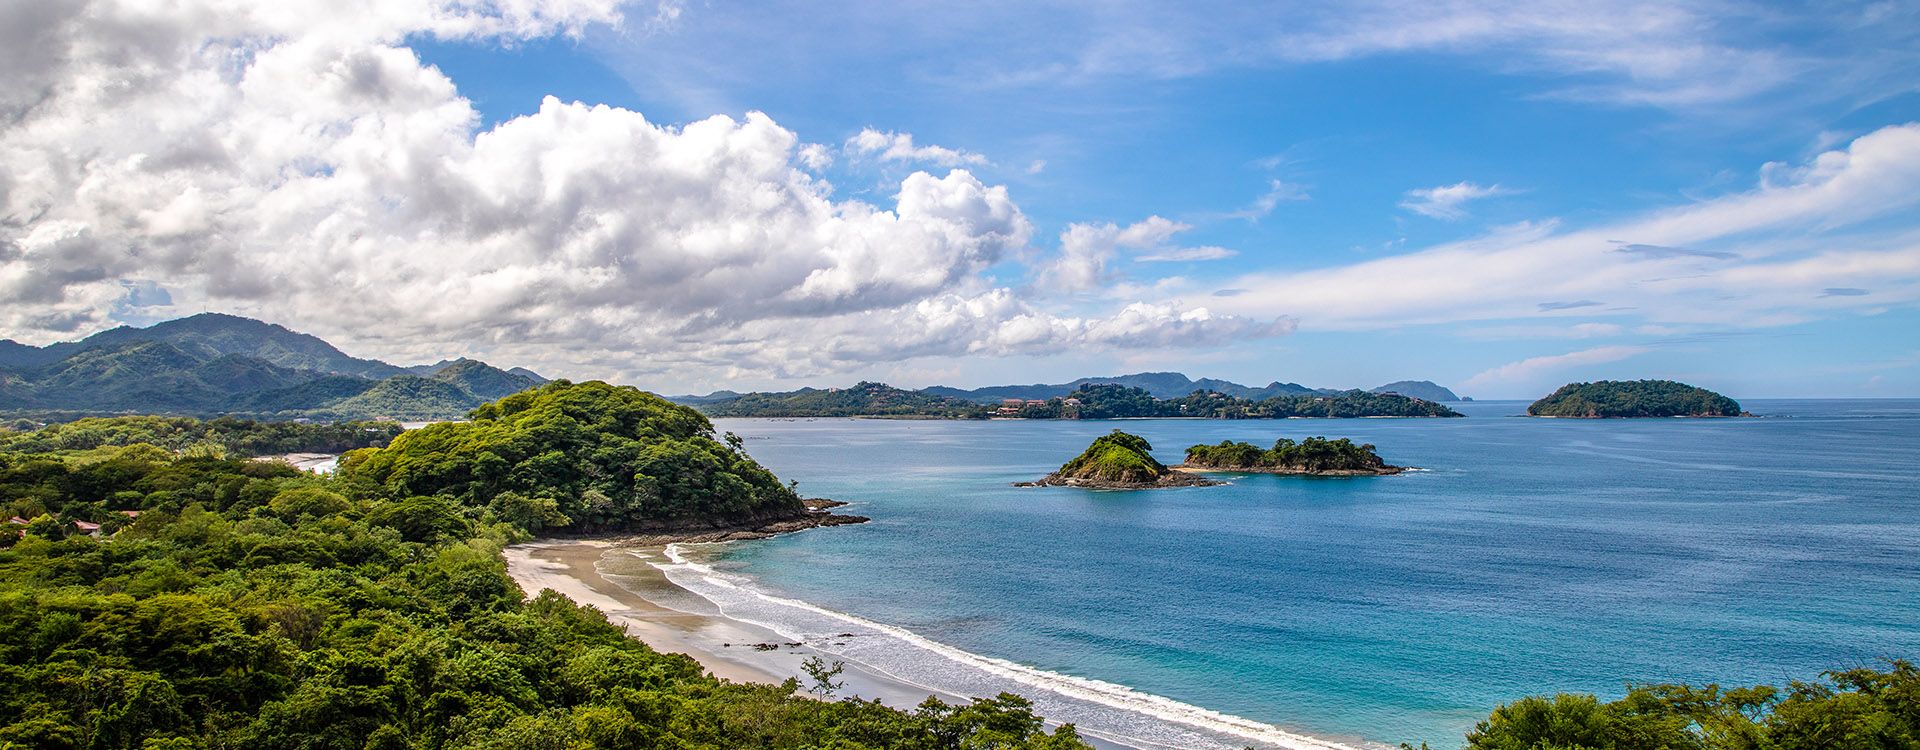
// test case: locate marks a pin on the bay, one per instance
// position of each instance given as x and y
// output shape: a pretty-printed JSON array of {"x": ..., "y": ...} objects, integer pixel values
[{"x": 1527, "y": 556}]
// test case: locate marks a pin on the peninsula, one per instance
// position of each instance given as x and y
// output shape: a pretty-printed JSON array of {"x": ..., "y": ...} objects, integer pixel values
[
  {"x": 1610, "y": 399},
  {"x": 1118, "y": 461},
  {"x": 1314, "y": 456}
]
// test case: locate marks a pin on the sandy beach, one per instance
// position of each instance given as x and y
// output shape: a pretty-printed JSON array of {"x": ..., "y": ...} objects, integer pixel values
[
  {"x": 619, "y": 578},
  {"x": 729, "y": 649},
  {"x": 322, "y": 463}
]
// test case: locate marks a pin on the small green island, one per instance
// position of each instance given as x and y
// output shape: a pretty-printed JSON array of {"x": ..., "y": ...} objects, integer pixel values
[
  {"x": 1118, "y": 461},
  {"x": 1619, "y": 399},
  {"x": 1314, "y": 456}
]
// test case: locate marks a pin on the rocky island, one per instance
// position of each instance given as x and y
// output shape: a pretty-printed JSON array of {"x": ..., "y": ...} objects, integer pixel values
[
  {"x": 1610, "y": 399},
  {"x": 1314, "y": 456},
  {"x": 1118, "y": 461}
]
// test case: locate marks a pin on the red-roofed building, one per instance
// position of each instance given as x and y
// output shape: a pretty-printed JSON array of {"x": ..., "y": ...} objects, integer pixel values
[{"x": 90, "y": 529}]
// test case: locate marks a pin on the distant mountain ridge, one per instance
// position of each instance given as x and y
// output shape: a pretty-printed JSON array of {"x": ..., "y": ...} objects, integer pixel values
[
  {"x": 1159, "y": 384},
  {"x": 861, "y": 400},
  {"x": 1425, "y": 390},
  {"x": 214, "y": 333},
  {"x": 225, "y": 364},
  {"x": 1090, "y": 401}
]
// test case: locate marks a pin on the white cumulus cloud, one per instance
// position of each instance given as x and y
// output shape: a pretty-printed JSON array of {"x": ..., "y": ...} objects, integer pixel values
[
  {"x": 892, "y": 146},
  {"x": 297, "y": 162},
  {"x": 1088, "y": 251}
]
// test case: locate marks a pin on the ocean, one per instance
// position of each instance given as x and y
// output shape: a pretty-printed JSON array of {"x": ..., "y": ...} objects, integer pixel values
[{"x": 1527, "y": 556}]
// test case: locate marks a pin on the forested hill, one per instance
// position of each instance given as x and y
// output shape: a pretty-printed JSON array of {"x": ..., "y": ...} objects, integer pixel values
[
  {"x": 226, "y": 436},
  {"x": 862, "y": 400},
  {"x": 1633, "y": 398},
  {"x": 157, "y": 600},
  {"x": 1159, "y": 384},
  {"x": 1425, "y": 390},
  {"x": 945, "y": 401},
  {"x": 587, "y": 456},
  {"x": 1092, "y": 401},
  {"x": 214, "y": 364}
]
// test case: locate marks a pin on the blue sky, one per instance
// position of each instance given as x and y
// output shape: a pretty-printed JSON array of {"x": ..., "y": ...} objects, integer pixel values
[{"x": 1498, "y": 197}]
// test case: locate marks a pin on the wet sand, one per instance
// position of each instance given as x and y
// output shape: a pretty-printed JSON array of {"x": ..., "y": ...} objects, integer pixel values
[{"x": 726, "y": 647}]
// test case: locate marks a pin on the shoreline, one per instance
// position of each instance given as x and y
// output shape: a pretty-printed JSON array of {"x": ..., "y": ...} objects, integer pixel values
[
  {"x": 818, "y": 514},
  {"x": 1384, "y": 471},
  {"x": 726, "y": 648},
  {"x": 1171, "y": 480},
  {"x": 625, "y": 581}
]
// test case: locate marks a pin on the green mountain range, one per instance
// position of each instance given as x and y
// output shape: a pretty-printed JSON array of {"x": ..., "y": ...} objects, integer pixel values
[
  {"x": 1089, "y": 401},
  {"x": 223, "y": 364},
  {"x": 862, "y": 400},
  {"x": 1425, "y": 390},
  {"x": 1163, "y": 385}
]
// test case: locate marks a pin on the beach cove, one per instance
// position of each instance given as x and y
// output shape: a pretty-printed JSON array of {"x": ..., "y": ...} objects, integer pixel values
[{"x": 630, "y": 583}]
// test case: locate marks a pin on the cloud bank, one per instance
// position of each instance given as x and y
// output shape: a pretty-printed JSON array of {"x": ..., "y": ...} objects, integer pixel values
[
  {"x": 1762, "y": 257},
  {"x": 296, "y": 161}
]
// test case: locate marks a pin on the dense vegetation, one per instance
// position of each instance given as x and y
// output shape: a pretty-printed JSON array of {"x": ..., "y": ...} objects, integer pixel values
[
  {"x": 862, "y": 400},
  {"x": 1116, "y": 457},
  {"x": 226, "y": 435},
  {"x": 586, "y": 457},
  {"x": 408, "y": 397},
  {"x": 1313, "y": 455},
  {"x": 249, "y": 605},
  {"x": 1100, "y": 401},
  {"x": 1854, "y": 709},
  {"x": 1087, "y": 399},
  {"x": 1634, "y": 398},
  {"x": 1425, "y": 390},
  {"x": 220, "y": 364},
  {"x": 1159, "y": 384}
]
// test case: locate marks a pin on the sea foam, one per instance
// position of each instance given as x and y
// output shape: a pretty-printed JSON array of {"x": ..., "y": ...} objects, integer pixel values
[{"x": 1099, "y": 709}]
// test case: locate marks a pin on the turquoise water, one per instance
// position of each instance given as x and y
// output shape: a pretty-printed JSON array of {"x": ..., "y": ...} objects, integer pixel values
[{"x": 1530, "y": 556}]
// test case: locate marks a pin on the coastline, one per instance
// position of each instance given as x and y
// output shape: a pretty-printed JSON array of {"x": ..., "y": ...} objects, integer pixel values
[
  {"x": 1384, "y": 471},
  {"x": 626, "y": 579},
  {"x": 728, "y": 649},
  {"x": 1171, "y": 480}
]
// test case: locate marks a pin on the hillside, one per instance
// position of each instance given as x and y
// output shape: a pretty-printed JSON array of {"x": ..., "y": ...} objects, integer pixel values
[
  {"x": 483, "y": 380},
  {"x": 1118, "y": 460},
  {"x": 1158, "y": 384},
  {"x": 217, "y": 334},
  {"x": 1087, "y": 401},
  {"x": 1179, "y": 394},
  {"x": 862, "y": 400},
  {"x": 1425, "y": 390},
  {"x": 1605, "y": 399},
  {"x": 1102, "y": 401},
  {"x": 228, "y": 603},
  {"x": 604, "y": 457},
  {"x": 403, "y": 397},
  {"x": 221, "y": 364}
]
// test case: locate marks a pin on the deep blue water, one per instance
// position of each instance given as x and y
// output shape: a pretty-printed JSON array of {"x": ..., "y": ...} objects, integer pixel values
[{"x": 1532, "y": 556}]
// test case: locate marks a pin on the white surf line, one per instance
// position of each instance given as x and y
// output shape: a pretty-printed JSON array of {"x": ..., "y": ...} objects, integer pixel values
[{"x": 1089, "y": 690}]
